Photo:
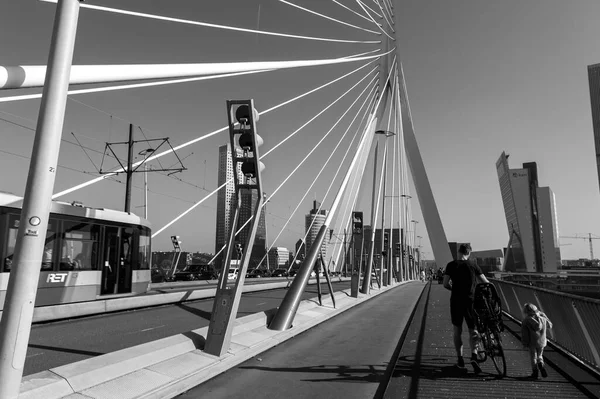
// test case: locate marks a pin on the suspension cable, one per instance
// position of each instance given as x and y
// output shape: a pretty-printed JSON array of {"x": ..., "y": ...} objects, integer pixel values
[
  {"x": 306, "y": 157},
  {"x": 154, "y": 156},
  {"x": 351, "y": 10},
  {"x": 366, "y": 12},
  {"x": 328, "y": 17},
  {"x": 209, "y": 25}
]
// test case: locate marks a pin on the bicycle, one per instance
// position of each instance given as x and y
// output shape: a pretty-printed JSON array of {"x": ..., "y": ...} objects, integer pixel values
[{"x": 488, "y": 321}]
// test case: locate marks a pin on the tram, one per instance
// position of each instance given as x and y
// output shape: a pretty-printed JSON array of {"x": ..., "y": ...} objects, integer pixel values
[{"x": 89, "y": 253}]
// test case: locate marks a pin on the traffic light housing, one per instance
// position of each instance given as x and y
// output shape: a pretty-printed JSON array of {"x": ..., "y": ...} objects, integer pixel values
[
  {"x": 357, "y": 222},
  {"x": 398, "y": 249},
  {"x": 242, "y": 118}
]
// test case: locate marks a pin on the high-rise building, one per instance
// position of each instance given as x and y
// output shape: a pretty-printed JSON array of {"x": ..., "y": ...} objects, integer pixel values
[
  {"x": 531, "y": 219},
  {"x": 225, "y": 198},
  {"x": 313, "y": 222},
  {"x": 279, "y": 257},
  {"x": 248, "y": 207},
  {"x": 594, "y": 82},
  {"x": 300, "y": 249}
]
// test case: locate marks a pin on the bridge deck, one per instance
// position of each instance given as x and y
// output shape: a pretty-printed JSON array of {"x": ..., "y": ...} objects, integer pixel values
[{"x": 354, "y": 356}]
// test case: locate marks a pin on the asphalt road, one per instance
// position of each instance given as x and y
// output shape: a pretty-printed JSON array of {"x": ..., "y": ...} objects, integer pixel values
[
  {"x": 64, "y": 342},
  {"x": 345, "y": 357}
]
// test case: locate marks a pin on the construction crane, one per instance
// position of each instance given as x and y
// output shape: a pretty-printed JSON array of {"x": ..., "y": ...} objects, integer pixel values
[{"x": 589, "y": 238}]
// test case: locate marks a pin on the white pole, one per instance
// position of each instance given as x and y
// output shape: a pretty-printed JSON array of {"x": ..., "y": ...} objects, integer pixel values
[
  {"x": 145, "y": 191},
  {"x": 15, "y": 326}
]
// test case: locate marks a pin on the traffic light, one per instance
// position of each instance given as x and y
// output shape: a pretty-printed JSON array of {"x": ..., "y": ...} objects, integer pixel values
[
  {"x": 397, "y": 249},
  {"x": 239, "y": 248},
  {"x": 357, "y": 222},
  {"x": 249, "y": 140}
]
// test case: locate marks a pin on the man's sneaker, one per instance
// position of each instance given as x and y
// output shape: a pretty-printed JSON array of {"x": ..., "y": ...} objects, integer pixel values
[
  {"x": 542, "y": 369},
  {"x": 475, "y": 364},
  {"x": 534, "y": 375}
]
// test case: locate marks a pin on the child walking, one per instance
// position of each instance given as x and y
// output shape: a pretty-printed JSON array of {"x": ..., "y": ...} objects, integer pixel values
[{"x": 533, "y": 336}]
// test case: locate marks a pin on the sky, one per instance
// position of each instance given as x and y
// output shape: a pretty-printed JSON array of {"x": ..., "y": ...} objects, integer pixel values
[{"x": 482, "y": 77}]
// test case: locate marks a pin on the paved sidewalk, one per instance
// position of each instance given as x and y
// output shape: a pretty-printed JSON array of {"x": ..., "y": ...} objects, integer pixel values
[
  {"x": 426, "y": 366},
  {"x": 345, "y": 357}
]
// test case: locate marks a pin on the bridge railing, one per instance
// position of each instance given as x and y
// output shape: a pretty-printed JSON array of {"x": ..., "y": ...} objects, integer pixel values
[{"x": 576, "y": 319}]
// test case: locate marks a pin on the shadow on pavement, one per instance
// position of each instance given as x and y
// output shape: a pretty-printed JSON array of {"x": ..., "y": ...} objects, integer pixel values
[
  {"x": 67, "y": 350},
  {"x": 368, "y": 373}
]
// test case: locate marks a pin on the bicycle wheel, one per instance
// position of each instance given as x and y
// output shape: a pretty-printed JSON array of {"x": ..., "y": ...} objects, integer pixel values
[{"x": 497, "y": 353}]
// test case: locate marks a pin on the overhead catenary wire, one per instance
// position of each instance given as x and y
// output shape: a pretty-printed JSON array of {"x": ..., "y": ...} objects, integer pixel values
[
  {"x": 209, "y": 25},
  {"x": 223, "y": 129},
  {"x": 328, "y": 17}
]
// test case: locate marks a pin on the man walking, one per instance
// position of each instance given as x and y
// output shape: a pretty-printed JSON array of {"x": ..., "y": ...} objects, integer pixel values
[{"x": 461, "y": 277}]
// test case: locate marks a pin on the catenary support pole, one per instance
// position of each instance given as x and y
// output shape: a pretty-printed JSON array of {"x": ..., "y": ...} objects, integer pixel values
[
  {"x": 383, "y": 264},
  {"x": 129, "y": 171},
  {"x": 15, "y": 326}
]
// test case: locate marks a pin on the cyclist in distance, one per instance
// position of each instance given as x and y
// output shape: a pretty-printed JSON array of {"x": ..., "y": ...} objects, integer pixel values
[{"x": 461, "y": 276}]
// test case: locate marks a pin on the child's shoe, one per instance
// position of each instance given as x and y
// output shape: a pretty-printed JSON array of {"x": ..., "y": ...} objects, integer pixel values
[
  {"x": 534, "y": 374},
  {"x": 475, "y": 364},
  {"x": 542, "y": 369}
]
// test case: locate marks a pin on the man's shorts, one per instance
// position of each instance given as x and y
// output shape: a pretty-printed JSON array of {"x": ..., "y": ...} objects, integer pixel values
[{"x": 462, "y": 309}]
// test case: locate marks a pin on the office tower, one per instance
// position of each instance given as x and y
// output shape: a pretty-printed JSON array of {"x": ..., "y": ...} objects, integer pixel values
[
  {"x": 248, "y": 207},
  {"x": 318, "y": 216},
  {"x": 225, "y": 198},
  {"x": 531, "y": 219},
  {"x": 279, "y": 257},
  {"x": 594, "y": 83},
  {"x": 300, "y": 249}
]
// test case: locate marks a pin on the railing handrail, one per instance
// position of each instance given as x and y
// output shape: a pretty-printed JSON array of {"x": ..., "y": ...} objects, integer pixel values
[{"x": 553, "y": 292}]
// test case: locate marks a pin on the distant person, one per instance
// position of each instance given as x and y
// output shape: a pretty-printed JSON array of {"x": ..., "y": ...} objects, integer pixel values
[
  {"x": 461, "y": 276},
  {"x": 533, "y": 336}
]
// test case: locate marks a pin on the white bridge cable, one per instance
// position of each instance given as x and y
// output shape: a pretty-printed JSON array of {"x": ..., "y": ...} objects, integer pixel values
[
  {"x": 166, "y": 152},
  {"x": 351, "y": 10},
  {"x": 328, "y": 17},
  {"x": 130, "y": 86},
  {"x": 380, "y": 26},
  {"x": 29, "y": 76},
  {"x": 358, "y": 151},
  {"x": 341, "y": 163},
  {"x": 209, "y": 25},
  {"x": 383, "y": 12},
  {"x": 317, "y": 115},
  {"x": 352, "y": 199},
  {"x": 332, "y": 152},
  {"x": 360, "y": 2},
  {"x": 387, "y": 9},
  {"x": 314, "y": 148}
]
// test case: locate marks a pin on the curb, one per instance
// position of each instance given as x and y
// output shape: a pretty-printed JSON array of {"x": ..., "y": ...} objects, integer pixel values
[
  {"x": 196, "y": 292},
  {"x": 168, "y": 367}
]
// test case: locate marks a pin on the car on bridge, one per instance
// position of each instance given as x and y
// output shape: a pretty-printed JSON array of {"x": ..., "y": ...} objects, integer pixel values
[
  {"x": 257, "y": 273},
  {"x": 192, "y": 272},
  {"x": 280, "y": 273}
]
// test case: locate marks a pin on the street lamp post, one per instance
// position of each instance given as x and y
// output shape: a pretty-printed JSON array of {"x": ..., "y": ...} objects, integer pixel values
[
  {"x": 414, "y": 222},
  {"x": 404, "y": 266},
  {"x": 385, "y": 263},
  {"x": 144, "y": 154}
]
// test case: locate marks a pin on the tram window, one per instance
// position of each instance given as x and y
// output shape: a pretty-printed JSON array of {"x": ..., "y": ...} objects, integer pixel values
[
  {"x": 80, "y": 246},
  {"x": 143, "y": 261},
  {"x": 47, "y": 259}
]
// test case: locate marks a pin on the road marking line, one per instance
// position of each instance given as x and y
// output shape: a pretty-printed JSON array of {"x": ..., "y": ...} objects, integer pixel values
[
  {"x": 151, "y": 328},
  {"x": 35, "y": 354},
  {"x": 262, "y": 303}
]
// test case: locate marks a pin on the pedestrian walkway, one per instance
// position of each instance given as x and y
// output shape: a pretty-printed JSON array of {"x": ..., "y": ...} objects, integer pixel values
[{"x": 397, "y": 345}]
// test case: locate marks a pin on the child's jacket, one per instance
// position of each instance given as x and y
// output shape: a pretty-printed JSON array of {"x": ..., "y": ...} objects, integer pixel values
[{"x": 533, "y": 330}]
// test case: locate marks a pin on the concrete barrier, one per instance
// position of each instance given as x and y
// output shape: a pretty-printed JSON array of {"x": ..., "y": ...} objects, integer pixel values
[
  {"x": 167, "y": 367},
  {"x": 79, "y": 309}
]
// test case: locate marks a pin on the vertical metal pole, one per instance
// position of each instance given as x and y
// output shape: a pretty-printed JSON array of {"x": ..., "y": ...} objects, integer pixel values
[
  {"x": 382, "y": 278},
  {"x": 129, "y": 171},
  {"x": 145, "y": 191},
  {"x": 345, "y": 255},
  {"x": 369, "y": 266},
  {"x": 15, "y": 326}
]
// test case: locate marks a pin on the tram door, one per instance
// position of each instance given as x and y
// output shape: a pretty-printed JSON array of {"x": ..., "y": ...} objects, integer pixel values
[{"x": 116, "y": 270}]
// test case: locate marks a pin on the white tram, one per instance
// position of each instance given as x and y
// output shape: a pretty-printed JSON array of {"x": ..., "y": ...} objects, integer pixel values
[{"x": 89, "y": 253}]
